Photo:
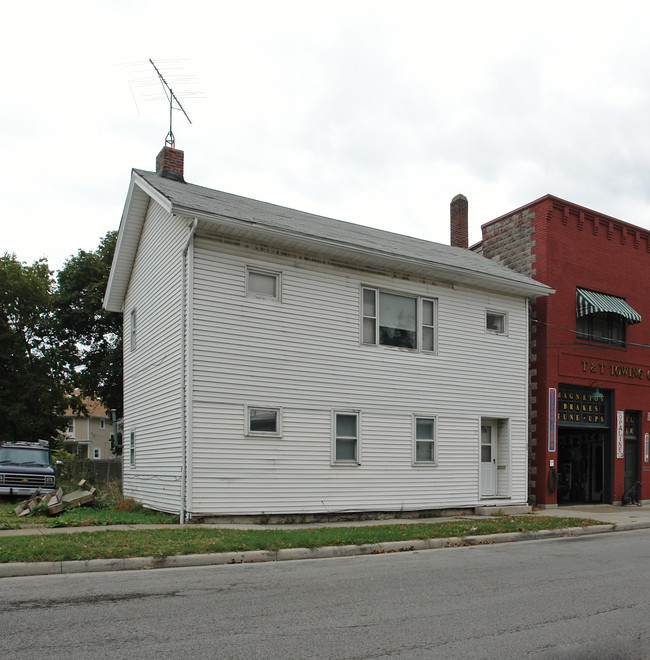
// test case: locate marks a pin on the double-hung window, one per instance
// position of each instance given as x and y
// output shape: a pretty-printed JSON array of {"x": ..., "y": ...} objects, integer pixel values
[
  {"x": 425, "y": 440},
  {"x": 346, "y": 437},
  {"x": 391, "y": 319},
  {"x": 132, "y": 449}
]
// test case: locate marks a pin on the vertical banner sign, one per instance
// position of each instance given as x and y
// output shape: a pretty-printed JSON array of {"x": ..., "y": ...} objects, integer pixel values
[
  {"x": 552, "y": 419},
  {"x": 646, "y": 449},
  {"x": 620, "y": 433}
]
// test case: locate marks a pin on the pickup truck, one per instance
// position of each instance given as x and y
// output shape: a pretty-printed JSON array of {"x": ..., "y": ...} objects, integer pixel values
[{"x": 25, "y": 467}]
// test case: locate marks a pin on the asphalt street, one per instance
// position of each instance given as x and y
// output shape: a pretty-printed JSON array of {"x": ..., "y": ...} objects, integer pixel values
[{"x": 572, "y": 597}]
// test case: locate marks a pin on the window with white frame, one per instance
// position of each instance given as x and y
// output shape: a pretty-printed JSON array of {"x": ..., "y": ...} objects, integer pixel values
[
  {"x": 97, "y": 452},
  {"x": 70, "y": 430},
  {"x": 425, "y": 440},
  {"x": 262, "y": 284},
  {"x": 391, "y": 319},
  {"x": 346, "y": 437},
  {"x": 102, "y": 424},
  {"x": 132, "y": 449},
  {"x": 133, "y": 330},
  {"x": 263, "y": 421},
  {"x": 495, "y": 323}
]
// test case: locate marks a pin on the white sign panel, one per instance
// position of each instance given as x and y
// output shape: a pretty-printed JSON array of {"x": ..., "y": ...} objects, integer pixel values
[{"x": 620, "y": 433}]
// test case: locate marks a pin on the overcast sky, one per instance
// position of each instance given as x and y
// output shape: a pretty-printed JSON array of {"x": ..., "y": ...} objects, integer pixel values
[{"x": 373, "y": 112}]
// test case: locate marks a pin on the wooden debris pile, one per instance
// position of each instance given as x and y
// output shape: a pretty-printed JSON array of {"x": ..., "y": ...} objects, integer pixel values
[{"x": 56, "y": 501}]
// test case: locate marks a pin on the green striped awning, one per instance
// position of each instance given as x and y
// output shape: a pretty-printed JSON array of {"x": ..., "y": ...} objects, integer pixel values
[{"x": 590, "y": 302}]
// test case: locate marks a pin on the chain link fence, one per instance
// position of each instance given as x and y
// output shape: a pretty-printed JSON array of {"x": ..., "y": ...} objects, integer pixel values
[{"x": 97, "y": 472}]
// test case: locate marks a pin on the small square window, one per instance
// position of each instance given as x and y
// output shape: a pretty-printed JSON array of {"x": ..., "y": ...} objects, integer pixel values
[
  {"x": 495, "y": 323},
  {"x": 260, "y": 284},
  {"x": 425, "y": 444},
  {"x": 263, "y": 421}
]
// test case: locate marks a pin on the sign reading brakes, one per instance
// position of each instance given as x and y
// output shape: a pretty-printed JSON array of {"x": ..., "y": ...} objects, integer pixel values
[{"x": 580, "y": 408}]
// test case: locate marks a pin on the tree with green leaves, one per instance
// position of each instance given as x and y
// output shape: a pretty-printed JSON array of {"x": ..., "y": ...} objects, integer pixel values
[
  {"x": 33, "y": 364},
  {"x": 92, "y": 336}
]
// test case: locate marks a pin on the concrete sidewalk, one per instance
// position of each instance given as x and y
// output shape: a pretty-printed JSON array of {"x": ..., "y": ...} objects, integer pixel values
[
  {"x": 607, "y": 513},
  {"x": 614, "y": 519}
]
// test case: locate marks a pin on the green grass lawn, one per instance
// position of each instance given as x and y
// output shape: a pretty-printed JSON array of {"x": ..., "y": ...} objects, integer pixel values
[
  {"x": 198, "y": 540},
  {"x": 104, "y": 512}
]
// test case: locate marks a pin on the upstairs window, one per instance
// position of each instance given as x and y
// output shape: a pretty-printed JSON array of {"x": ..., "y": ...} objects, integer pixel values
[
  {"x": 603, "y": 327},
  {"x": 263, "y": 421},
  {"x": 603, "y": 318},
  {"x": 390, "y": 319},
  {"x": 495, "y": 323},
  {"x": 262, "y": 284},
  {"x": 133, "y": 330}
]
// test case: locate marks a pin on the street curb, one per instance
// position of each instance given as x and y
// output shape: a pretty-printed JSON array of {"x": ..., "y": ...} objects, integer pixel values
[{"x": 22, "y": 569}]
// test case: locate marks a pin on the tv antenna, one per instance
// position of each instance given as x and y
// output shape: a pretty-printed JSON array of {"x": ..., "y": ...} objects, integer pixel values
[{"x": 171, "y": 97}]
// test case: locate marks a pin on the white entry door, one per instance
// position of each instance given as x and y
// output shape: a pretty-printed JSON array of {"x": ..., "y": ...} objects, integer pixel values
[{"x": 488, "y": 459}]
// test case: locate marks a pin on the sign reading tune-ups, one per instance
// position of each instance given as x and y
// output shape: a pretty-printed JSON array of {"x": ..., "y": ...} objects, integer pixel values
[{"x": 25, "y": 467}]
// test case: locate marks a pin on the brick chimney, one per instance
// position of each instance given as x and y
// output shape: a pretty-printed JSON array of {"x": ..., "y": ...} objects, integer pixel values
[
  {"x": 458, "y": 217},
  {"x": 169, "y": 163}
]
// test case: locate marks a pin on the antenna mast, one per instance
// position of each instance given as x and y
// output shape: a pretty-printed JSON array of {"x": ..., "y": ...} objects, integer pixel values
[{"x": 171, "y": 97}]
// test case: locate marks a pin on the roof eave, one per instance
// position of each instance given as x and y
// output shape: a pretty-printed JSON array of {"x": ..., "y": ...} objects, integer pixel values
[
  {"x": 432, "y": 269},
  {"x": 135, "y": 209}
]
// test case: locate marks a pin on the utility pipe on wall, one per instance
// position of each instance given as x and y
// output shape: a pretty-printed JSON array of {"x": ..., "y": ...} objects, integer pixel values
[{"x": 185, "y": 418}]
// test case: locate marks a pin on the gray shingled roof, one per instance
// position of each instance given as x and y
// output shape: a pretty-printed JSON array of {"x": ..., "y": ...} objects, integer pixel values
[
  {"x": 345, "y": 243},
  {"x": 189, "y": 199}
]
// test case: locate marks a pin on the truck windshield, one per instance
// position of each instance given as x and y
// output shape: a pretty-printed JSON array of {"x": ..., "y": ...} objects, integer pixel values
[{"x": 24, "y": 456}]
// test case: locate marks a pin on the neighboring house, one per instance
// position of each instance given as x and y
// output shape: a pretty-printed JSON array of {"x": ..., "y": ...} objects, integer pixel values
[
  {"x": 89, "y": 435},
  {"x": 590, "y": 363},
  {"x": 280, "y": 362}
]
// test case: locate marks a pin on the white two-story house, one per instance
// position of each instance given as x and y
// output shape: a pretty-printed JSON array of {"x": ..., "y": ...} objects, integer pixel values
[{"x": 279, "y": 362}]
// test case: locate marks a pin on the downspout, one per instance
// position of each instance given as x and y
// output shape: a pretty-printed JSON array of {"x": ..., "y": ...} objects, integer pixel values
[
  {"x": 527, "y": 387},
  {"x": 185, "y": 419}
]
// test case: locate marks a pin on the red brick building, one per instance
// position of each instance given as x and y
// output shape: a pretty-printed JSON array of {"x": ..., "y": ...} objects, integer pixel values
[{"x": 590, "y": 348}]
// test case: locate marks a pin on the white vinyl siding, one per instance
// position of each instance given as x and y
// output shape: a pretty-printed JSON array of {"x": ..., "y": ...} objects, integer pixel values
[
  {"x": 152, "y": 373},
  {"x": 304, "y": 356}
]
